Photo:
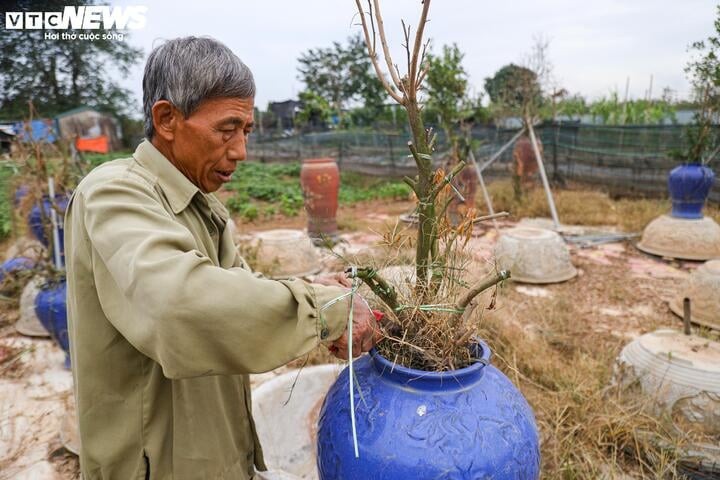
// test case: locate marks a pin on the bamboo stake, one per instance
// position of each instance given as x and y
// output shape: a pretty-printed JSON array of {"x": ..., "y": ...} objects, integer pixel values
[
  {"x": 486, "y": 195},
  {"x": 543, "y": 175},
  {"x": 54, "y": 221}
]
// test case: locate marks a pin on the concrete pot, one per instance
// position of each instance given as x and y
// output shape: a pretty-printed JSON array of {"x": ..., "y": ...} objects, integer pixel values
[
  {"x": 680, "y": 373},
  {"x": 29, "y": 324},
  {"x": 534, "y": 255},
  {"x": 286, "y": 411},
  {"x": 672, "y": 237},
  {"x": 286, "y": 253},
  {"x": 703, "y": 289}
]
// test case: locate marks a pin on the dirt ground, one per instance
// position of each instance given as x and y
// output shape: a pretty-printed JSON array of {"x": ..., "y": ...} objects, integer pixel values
[{"x": 618, "y": 294}]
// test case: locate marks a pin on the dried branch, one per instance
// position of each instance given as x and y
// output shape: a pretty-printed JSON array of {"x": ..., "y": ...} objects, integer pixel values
[
  {"x": 480, "y": 287},
  {"x": 384, "y": 44},
  {"x": 448, "y": 178},
  {"x": 370, "y": 43},
  {"x": 412, "y": 72}
]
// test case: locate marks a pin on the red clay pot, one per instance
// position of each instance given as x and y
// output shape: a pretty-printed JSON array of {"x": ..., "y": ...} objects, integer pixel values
[
  {"x": 525, "y": 162},
  {"x": 320, "y": 181}
]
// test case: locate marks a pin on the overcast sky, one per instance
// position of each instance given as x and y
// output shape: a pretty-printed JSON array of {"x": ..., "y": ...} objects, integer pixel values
[{"x": 594, "y": 45}]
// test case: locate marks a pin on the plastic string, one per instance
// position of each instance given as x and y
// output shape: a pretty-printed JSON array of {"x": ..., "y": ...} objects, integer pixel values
[{"x": 351, "y": 380}]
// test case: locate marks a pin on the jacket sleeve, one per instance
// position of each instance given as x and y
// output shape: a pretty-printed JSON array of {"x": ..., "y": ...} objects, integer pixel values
[{"x": 190, "y": 316}]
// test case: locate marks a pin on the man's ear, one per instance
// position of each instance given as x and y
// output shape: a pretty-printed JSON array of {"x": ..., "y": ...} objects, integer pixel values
[{"x": 165, "y": 119}]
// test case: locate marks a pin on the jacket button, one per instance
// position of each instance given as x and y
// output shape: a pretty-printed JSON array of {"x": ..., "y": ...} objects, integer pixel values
[{"x": 324, "y": 333}]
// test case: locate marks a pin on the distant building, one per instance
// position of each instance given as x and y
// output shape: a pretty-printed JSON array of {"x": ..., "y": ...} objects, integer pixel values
[
  {"x": 87, "y": 123},
  {"x": 7, "y": 136},
  {"x": 285, "y": 112}
]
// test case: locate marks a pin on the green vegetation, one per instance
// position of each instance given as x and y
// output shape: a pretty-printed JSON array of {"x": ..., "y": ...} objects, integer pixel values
[
  {"x": 6, "y": 201},
  {"x": 265, "y": 190}
]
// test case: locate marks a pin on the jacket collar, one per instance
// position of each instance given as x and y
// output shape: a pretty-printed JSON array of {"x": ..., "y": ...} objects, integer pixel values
[{"x": 176, "y": 186}]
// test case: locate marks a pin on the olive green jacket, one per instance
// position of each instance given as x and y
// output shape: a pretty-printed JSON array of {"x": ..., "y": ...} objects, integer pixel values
[{"x": 166, "y": 321}]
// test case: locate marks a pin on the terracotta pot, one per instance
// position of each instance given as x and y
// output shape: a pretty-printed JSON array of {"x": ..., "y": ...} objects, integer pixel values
[
  {"x": 525, "y": 163},
  {"x": 320, "y": 181}
]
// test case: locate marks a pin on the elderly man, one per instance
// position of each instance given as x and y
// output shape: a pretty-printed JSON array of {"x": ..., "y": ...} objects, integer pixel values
[{"x": 166, "y": 320}]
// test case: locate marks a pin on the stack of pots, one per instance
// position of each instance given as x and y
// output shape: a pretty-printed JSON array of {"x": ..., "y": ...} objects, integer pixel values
[{"x": 685, "y": 233}]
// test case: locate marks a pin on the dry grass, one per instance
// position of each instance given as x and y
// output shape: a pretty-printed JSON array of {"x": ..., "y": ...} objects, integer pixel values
[
  {"x": 577, "y": 206},
  {"x": 560, "y": 352}
]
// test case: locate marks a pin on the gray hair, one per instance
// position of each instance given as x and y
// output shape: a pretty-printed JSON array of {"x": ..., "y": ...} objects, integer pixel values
[{"x": 185, "y": 71}]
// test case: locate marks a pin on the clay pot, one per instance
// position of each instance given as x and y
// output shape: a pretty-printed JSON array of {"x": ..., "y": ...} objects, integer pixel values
[
  {"x": 525, "y": 163},
  {"x": 320, "y": 181}
]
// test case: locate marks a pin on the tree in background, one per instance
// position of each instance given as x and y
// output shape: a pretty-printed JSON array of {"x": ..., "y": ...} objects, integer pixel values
[
  {"x": 511, "y": 88},
  {"x": 58, "y": 75},
  {"x": 703, "y": 71},
  {"x": 315, "y": 111},
  {"x": 450, "y": 101},
  {"x": 341, "y": 75}
]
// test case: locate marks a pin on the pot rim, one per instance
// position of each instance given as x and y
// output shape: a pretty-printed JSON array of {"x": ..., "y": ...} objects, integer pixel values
[
  {"x": 461, "y": 378},
  {"x": 319, "y": 160}
]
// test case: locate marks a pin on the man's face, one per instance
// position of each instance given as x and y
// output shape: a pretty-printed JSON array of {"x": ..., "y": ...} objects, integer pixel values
[{"x": 208, "y": 144}]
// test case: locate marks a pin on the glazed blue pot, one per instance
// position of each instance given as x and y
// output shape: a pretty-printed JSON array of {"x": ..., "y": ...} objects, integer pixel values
[
  {"x": 471, "y": 423},
  {"x": 21, "y": 192},
  {"x": 689, "y": 187},
  {"x": 15, "y": 266},
  {"x": 51, "y": 310},
  {"x": 35, "y": 220}
]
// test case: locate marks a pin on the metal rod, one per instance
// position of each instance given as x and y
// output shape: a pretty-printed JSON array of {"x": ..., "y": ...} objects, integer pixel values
[
  {"x": 54, "y": 221},
  {"x": 543, "y": 176},
  {"x": 497, "y": 154},
  {"x": 486, "y": 195},
  {"x": 686, "y": 316}
]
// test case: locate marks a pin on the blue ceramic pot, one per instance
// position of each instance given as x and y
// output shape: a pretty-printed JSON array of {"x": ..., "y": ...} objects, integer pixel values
[
  {"x": 470, "y": 423},
  {"x": 21, "y": 192},
  {"x": 51, "y": 310},
  {"x": 35, "y": 220},
  {"x": 15, "y": 266},
  {"x": 689, "y": 187}
]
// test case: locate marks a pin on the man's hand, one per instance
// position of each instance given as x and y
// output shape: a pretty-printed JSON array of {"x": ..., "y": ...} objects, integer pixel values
[{"x": 366, "y": 332}]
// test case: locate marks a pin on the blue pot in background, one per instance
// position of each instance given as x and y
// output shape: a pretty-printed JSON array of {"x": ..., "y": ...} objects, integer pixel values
[
  {"x": 21, "y": 192},
  {"x": 471, "y": 423},
  {"x": 16, "y": 266},
  {"x": 14, "y": 269},
  {"x": 689, "y": 186},
  {"x": 35, "y": 220},
  {"x": 51, "y": 310}
]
